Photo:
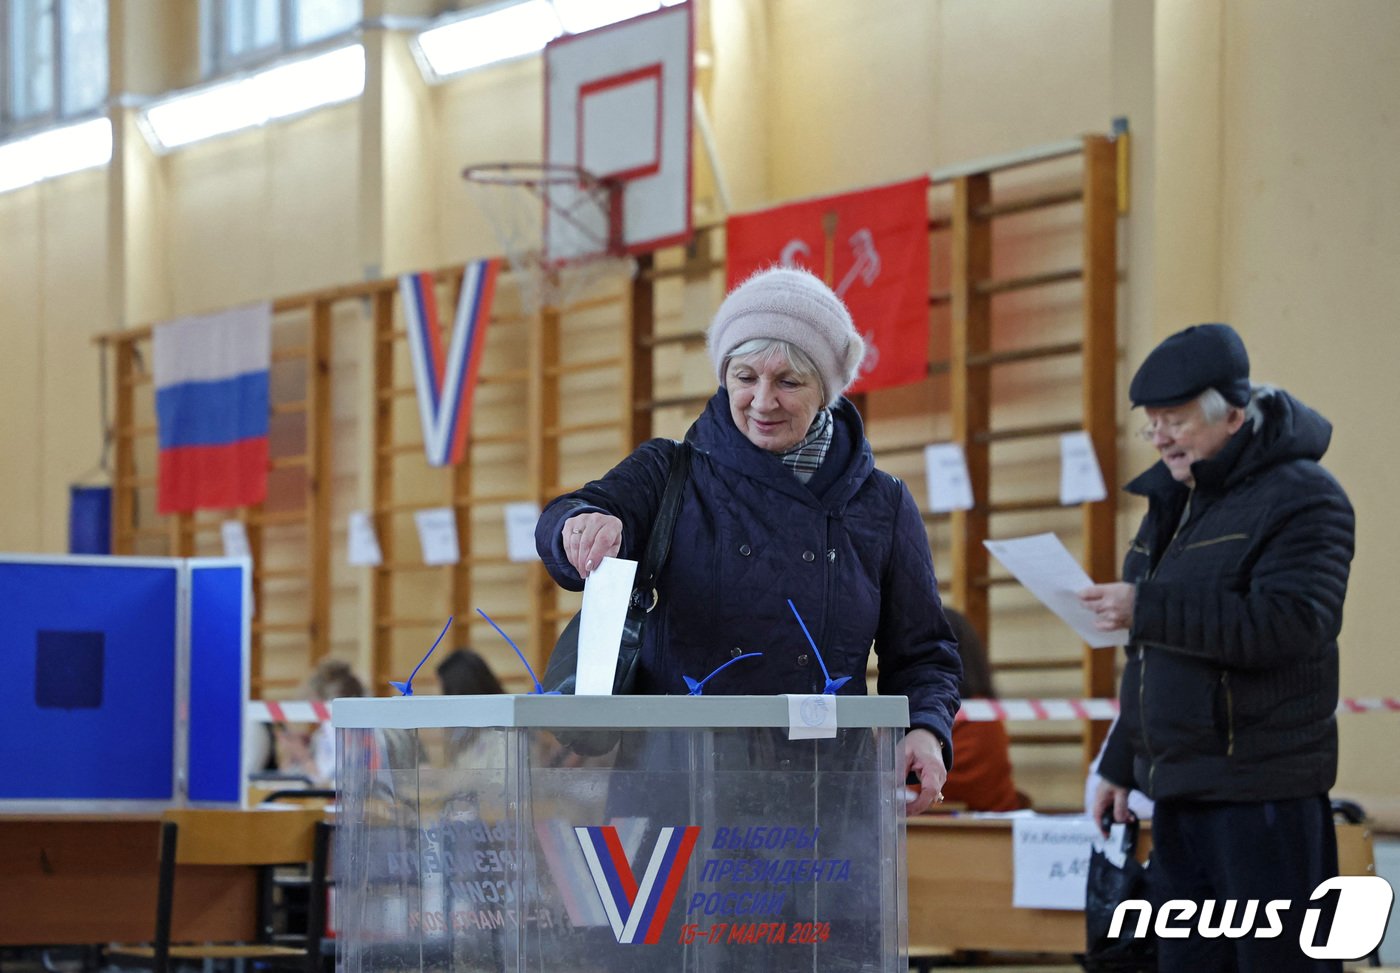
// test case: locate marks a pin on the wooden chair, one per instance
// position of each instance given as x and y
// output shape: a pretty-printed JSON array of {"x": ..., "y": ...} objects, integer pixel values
[{"x": 255, "y": 840}]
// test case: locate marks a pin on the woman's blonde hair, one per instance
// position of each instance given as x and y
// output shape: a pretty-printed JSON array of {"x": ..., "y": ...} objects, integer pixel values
[{"x": 765, "y": 349}]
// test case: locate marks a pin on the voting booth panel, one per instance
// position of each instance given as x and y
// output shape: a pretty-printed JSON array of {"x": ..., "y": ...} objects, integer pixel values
[
  {"x": 614, "y": 834},
  {"x": 126, "y": 682}
]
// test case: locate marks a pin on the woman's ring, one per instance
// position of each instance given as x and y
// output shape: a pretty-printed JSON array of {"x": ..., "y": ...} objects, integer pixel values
[{"x": 578, "y": 530}]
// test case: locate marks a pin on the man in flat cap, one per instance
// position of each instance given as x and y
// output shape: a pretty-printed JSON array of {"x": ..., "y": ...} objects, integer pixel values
[{"x": 1232, "y": 596}]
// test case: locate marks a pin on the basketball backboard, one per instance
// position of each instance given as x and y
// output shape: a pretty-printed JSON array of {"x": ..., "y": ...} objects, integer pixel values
[{"x": 618, "y": 105}]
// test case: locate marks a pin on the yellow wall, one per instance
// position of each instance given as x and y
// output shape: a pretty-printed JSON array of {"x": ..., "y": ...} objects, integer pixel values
[
  {"x": 53, "y": 278},
  {"x": 1308, "y": 238},
  {"x": 1264, "y": 192}
]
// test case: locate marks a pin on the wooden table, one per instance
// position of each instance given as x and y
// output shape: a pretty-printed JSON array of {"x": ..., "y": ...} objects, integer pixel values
[
  {"x": 960, "y": 877},
  {"x": 80, "y": 879}
]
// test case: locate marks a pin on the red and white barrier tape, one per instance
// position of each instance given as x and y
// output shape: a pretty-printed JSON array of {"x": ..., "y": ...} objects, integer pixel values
[
  {"x": 990, "y": 710},
  {"x": 274, "y": 711},
  {"x": 976, "y": 710}
]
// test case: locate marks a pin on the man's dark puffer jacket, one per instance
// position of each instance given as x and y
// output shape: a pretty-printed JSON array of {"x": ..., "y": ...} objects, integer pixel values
[{"x": 1230, "y": 688}]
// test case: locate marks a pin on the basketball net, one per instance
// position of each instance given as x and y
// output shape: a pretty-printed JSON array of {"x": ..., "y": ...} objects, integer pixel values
[{"x": 581, "y": 214}]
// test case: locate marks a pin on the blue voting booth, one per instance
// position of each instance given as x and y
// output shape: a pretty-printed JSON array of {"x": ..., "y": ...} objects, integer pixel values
[{"x": 126, "y": 681}]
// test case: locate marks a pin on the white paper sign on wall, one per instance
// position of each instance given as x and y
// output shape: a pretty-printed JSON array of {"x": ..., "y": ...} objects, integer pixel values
[
  {"x": 520, "y": 531},
  {"x": 235, "y": 536},
  {"x": 362, "y": 542},
  {"x": 1081, "y": 480},
  {"x": 437, "y": 535},
  {"x": 949, "y": 486}
]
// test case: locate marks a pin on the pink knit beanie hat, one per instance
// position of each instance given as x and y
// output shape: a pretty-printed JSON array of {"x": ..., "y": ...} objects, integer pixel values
[{"x": 792, "y": 305}]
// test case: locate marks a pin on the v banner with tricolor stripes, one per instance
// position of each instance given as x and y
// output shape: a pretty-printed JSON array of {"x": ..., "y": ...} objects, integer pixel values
[
  {"x": 637, "y": 907},
  {"x": 447, "y": 382},
  {"x": 211, "y": 375}
]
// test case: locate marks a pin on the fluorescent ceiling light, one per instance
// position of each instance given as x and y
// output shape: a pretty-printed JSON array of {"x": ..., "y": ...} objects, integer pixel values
[
  {"x": 326, "y": 79},
  {"x": 55, "y": 152},
  {"x": 498, "y": 35},
  {"x": 583, "y": 15},
  {"x": 277, "y": 92}
]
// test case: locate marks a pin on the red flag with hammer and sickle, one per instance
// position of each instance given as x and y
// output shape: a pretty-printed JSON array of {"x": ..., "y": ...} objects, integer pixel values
[{"x": 872, "y": 248}]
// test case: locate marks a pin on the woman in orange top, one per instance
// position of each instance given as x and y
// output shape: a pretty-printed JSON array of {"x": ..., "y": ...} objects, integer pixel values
[{"x": 981, "y": 776}]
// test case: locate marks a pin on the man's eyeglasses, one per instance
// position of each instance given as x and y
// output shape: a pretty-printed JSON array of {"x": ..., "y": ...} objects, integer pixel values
[{"x": 1172, "y": 428}]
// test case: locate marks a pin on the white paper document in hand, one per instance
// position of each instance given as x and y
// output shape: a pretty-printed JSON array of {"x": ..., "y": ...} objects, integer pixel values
[
  {"x": 605, "y": 595},
  {"x": 1041, "y": 563}
]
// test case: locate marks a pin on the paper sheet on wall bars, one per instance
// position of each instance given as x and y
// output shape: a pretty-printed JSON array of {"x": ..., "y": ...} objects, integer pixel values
[
  {"x": 1041, "y": 563},
  {"x": 605, "y": 595}
]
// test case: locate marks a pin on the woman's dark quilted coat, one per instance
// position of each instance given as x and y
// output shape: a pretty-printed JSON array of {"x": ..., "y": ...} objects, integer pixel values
[{"x": 848, "y": 548}]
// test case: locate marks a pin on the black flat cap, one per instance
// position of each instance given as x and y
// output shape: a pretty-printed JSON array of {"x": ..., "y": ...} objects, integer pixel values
[{"x": 1204, "y": 356}]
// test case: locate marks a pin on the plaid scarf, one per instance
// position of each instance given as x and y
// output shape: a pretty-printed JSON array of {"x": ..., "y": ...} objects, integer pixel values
[{"x": 806, "y": 457}]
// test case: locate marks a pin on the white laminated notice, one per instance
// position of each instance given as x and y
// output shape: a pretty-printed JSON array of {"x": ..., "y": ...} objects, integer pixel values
[
  {"x": 949, "y": 486},
  {"x": 1081, "y": 480},
  {"x": 811, "y": 716},
  {"x": 235, "y": 537},
  {"x": 520, "y": 531},
  {"x": 361, "y": 541},
  {"x": 605, "y": 595},
  {"x": 437, "y": 535},
  {"x": 1050, "y": 860}
]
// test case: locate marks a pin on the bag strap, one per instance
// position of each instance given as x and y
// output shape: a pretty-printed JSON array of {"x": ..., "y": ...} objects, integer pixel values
[{"x": 659, "y": 544}]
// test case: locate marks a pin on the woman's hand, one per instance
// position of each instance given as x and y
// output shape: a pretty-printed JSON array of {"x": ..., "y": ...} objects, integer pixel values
[
  {"x": 588, "y": 538},
  {"x": 924, "y": 756}
]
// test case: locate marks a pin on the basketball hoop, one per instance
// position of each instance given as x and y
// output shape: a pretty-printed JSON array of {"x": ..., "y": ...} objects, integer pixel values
[{"x": 558, "y": 225}]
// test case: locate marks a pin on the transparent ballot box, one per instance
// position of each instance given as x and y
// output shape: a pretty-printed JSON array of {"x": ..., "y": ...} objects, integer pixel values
[{"x": 643, "y": 833}]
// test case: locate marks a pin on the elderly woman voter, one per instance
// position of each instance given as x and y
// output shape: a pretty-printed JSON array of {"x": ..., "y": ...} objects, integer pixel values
[{"x": 783, "y": 501}]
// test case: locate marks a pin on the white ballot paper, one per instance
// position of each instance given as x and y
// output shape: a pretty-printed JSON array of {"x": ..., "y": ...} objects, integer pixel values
[
  {"x": 1050, "y": 860},
  {"x": 1041, "y": 563},
  {"x": 605, "y": 595},
  {"x": 1081, "y": 479},
  {"x": 437, "y": 535},
  {"x": 361, "y": 541},
  {"x": 520, "y": 531},
  {"x": 949, "y": 487},
  {"x": 235, "y": 537}
]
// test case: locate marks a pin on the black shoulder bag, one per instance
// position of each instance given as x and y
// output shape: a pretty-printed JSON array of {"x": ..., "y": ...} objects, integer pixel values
[{"x": 561, "y": 672}]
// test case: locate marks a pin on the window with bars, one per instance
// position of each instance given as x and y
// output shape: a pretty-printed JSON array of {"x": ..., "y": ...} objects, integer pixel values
[
  {"x": 54, "y": 58},
  {"x": 237, "y": 34}
]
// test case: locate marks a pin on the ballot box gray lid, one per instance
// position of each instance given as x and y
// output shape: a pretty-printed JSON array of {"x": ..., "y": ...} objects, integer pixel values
[{"x": 641, "y": 712}]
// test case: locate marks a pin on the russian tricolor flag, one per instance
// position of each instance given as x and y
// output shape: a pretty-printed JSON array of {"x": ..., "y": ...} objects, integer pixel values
[{"x": 212, "y": 408}]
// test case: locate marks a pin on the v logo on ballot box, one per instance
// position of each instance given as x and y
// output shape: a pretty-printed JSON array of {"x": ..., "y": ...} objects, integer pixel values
[{"x": 637, "y": 908}]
